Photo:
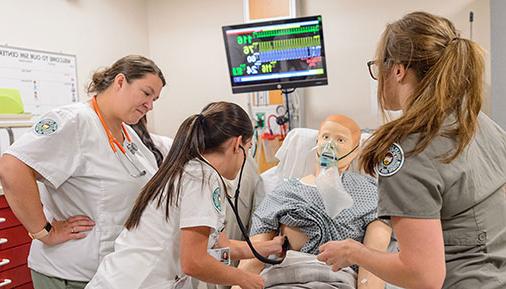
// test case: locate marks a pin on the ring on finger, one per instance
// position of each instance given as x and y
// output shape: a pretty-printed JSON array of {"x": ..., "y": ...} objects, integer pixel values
[{"x": 73, "y": 231}]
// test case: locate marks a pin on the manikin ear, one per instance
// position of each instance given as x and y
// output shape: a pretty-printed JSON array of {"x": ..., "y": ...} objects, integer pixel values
[
  {"x": 120, "y": 80},
  {"x": 399, "y": 72}
]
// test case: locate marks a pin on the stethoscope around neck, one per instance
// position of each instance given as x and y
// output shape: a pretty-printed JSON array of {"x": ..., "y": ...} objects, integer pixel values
[
  {"x": 235, "y": 208},
  {"x": 115, "y": 144}
]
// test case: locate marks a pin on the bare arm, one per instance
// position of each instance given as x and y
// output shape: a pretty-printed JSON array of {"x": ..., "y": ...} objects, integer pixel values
[
  {"x": 419, "y": 264},
  {"x": 22, "y": 194},
  {"x": 196, "y": 262},
  {"x": 240, "y": 250},
  {"x": 377, "y": 236},
  {"x": 254, "y": 265}
]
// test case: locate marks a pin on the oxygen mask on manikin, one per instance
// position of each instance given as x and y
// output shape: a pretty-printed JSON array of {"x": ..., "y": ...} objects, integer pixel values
[{"x": 328, "y": 182}]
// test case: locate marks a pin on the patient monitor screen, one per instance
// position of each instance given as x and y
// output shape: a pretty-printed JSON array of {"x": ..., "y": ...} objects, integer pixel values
[{"x": 276, "y": 54}]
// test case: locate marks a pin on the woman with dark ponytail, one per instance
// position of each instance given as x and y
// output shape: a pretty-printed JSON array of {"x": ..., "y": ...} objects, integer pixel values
[
  {"x": 441, "y": 165},
  {"x": 174, "y": 229}
]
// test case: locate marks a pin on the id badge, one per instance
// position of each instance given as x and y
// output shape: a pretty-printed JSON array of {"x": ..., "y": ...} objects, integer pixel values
[
  {"x": 183, "y": 283},
  {"x": 221, "y": 254}
]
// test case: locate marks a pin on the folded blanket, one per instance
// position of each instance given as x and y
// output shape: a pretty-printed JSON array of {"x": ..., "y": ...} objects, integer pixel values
[{"x": 301, "y": 270}]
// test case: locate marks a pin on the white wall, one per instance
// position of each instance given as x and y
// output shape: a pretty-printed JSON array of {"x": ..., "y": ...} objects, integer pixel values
[
  {"x": 351, "y": 31},
  {"x": 97, "y": 31},
  {"x": 498, "y": 56},
  {"x": 185, "y": 39}
]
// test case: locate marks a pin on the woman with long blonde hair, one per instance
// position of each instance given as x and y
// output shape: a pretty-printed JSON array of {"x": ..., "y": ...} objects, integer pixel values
[{"x": 441, "y": 165}]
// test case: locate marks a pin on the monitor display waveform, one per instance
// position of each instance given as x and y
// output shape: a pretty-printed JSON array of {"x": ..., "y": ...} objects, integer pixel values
[
  {"x": 301, "y": 42},
  {"x": 289, "y": 31},
  {"x": 290, "y": 54}
]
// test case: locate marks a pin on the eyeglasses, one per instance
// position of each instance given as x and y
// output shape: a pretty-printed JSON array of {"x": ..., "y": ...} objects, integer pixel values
[{"x": 373, "y": 69}]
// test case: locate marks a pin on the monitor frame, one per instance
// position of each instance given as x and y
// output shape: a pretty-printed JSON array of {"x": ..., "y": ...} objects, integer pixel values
[{"x": 278, "y": 83}]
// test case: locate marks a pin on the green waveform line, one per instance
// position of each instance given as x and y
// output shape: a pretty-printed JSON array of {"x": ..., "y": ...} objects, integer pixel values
[
  {"x": 289, "y": 43},
  {"x": 289, "y": 31}
]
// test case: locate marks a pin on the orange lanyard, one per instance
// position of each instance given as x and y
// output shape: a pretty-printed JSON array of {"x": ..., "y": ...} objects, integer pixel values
[{"x": 112, "y": 140}]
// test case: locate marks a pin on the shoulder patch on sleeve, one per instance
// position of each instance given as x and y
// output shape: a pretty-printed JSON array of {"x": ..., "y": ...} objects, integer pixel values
[
  {"x": 45, "y": 127},
  {"x": 216, "y": 199},
  {"x": 392, "y": 162}
]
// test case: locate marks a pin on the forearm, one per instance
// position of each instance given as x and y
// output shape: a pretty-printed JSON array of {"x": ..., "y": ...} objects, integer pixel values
[
  {"x": 209, "y": 270},
  {"x": 377, "y": 237},
  {"x": 390, "y": 267},
  {"x": 251, "y": 265},
  {"x": 367, "y": 280},
  {"x": 22, "y": 194},
  {"x": 240, "y": 250}
]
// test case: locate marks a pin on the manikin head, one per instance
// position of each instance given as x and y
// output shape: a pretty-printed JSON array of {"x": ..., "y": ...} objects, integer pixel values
[{"x": 345, "y": 134}]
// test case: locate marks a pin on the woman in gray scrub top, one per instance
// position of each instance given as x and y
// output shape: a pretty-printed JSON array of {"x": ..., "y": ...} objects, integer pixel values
[{"x": 441, "y": 165}]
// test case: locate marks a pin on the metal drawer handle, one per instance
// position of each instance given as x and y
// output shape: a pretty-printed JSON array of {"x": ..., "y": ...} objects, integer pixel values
[
  {"x": 5, "y": 282},
  {"x": 4, "y": 262},
  {"x": 2, "y": 220},
  {"x": 3, "y": 241}
]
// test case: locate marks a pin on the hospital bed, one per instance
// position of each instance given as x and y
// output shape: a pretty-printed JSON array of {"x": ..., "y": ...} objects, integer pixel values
[{"x": 296, "y": 160}]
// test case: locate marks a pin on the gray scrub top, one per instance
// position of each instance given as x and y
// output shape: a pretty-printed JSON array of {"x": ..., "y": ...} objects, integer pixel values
[{"x": 468, "y": 195}]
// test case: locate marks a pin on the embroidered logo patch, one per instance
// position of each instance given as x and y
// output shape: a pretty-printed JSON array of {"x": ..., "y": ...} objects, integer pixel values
[
  {"x": 392, "y": 162},
  {"x": 216, "y": 197},
  {"x": 46, "y": 127}
]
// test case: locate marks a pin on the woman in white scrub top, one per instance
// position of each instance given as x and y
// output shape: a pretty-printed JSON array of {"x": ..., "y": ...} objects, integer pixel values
[
  {"x": 92, "y": 167},
  {"x": 174, "y": 230}
]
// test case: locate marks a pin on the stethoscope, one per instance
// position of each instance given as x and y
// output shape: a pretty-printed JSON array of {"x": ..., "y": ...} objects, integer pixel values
[
  {"x": 235, "y": 209},
  {"x": 115, "y": 144}
]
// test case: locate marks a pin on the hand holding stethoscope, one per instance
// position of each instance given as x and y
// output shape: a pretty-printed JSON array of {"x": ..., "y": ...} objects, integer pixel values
[{"x": 235, "y": 208}]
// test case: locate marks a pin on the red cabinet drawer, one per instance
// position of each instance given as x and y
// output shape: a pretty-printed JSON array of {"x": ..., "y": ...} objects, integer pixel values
[
  {"x": 14, "y": 257},
  {"x": 18, "y": 276},
  {"x": 3, "y": 202},
  {"x": 25, "y": 286},
  {"x": 13, "y": 237},
  {"x": 7, "y": 219}
]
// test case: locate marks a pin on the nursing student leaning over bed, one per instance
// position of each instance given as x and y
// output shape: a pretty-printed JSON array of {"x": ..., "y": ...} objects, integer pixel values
[
  {"x": 175, "y": 227},
  {"x": 441, "y": 165},
  {"x": 301, "y": 209}
]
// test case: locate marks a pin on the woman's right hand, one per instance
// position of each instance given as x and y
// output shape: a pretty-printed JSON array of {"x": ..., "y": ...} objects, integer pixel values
[
  {"x": 251, "y": 281},
  {"x": 70, "y": 229}
]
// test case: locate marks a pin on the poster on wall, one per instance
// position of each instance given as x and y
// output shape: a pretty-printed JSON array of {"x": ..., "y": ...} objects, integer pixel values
[{"x": 45, "y": 80}]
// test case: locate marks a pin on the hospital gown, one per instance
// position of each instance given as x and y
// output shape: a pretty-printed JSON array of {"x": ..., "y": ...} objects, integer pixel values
[{"x": 299, "y": 205}]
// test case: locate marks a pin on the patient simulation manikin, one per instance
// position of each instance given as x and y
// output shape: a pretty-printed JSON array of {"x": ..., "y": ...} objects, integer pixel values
[{"x": 297, "y": 209}]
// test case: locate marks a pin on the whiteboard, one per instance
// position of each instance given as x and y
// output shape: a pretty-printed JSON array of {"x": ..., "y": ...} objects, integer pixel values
[{"x": 45, "y": 79}]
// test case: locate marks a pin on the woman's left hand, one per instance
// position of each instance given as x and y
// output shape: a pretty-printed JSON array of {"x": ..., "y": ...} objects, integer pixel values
[{"x": 337, "y": 253}]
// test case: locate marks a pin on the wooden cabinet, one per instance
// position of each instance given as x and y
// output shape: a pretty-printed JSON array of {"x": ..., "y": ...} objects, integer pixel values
[{"x": 14, "y": 248}]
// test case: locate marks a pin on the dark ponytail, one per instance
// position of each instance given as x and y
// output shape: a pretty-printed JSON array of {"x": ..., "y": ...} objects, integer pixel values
[
  {"x": 198, "y": 134},
  {"x": 142, "y": 131}
]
